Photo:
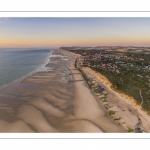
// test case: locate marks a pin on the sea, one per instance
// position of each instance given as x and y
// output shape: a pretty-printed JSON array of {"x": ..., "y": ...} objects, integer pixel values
[{"x": 19, "y": 62}]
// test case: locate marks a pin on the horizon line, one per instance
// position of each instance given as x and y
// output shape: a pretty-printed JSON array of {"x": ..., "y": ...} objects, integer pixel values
[{"x": 77, "y": 46}]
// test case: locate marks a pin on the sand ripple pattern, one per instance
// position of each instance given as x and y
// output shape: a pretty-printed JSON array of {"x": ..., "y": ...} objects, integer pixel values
[
  {"x": 48, "y": 102},
  {"x": 41, "y": 102}
]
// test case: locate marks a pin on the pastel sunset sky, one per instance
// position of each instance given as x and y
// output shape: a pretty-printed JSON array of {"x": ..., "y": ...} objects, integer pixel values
[{"x": 49, "y": 32}]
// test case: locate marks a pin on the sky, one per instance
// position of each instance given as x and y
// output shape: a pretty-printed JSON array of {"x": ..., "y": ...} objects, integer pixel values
[{"x": 50, "y": 32}]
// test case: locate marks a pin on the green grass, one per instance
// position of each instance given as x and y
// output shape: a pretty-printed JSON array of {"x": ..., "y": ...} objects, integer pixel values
[
  {"x": 96, "y": 90},
  {"x": 106, "y": 106},
  {"x": 111, "y": 113},
  {"x": 130, "y": 130},
  {"x": 110, "y": 106},
  {"x": 92, "y": 84},
  {"x": 104, "y": 100},
  {"x": 117, "y": 118}
]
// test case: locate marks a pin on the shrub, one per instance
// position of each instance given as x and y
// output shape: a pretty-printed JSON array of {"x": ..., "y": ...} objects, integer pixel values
[
  {"x": 111, "y": 113},
  {"x": 110, "y": 106},
  {"x": 96, "y": 90},
  {"x": 130, "y": 130},
  {"x": 117, "y": 118},
  {"x": 104, "y": 100}
]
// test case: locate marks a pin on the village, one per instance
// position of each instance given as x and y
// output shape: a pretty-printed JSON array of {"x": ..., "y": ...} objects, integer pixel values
[
  {"x": 127, "y": 72},
  {"x": 113, "y": 62}
]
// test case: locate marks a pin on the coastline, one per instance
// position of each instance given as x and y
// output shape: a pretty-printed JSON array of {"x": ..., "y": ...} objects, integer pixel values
[
  {"x": 59, "y": 100},
  {"x": 87, "y": 108},
  {"x": 134, "y": 111},
  {"x": 28, "y": 74},
  {"x": 126, "y": 108},
  {"x": 108, "y": 84},
  {"x": 22, "y": 104},
  {"x": 51, "y": 101}
]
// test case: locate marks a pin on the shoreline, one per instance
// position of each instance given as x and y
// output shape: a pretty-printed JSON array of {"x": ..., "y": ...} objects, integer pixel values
[
  {"x": 36, "y": 101},
  {"x": 53, "y": 101},
  {"x": 28, "y": 74},
  {"x": 60, "y": 101},
  {"x": 122, "y": 105}
]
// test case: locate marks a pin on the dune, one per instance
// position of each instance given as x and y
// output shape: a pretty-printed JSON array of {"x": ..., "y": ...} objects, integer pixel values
[{"x": 123, "y": 105}]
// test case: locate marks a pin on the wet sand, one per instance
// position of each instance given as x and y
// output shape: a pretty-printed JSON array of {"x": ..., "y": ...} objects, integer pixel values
[{"x": 55, "y": 99}]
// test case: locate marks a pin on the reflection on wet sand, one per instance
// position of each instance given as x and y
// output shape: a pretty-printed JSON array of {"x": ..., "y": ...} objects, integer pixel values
[
  {"x": 53, "y": 100},
  {"x": 40, "y": 102}
]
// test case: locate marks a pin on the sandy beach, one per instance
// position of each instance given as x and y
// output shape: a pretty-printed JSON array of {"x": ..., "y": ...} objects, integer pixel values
[
  {"x": 125, "y": 107},
  {"x": 41, "y": 102},
  {"x": 58, "y": 99}
]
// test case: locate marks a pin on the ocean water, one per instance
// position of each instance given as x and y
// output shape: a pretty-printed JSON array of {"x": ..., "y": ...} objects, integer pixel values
[{"x": 16, "y": 63}]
